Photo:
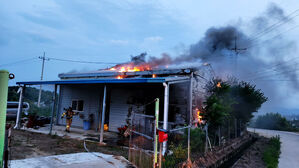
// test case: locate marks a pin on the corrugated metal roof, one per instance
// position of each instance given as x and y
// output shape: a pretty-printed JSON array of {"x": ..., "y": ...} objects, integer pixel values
[
  {"x": 108, "y": 73},
  {"x": 107, "y": 80}
]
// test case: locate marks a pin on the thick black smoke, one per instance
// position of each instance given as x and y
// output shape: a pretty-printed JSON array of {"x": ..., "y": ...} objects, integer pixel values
[
  {"x": 257, "y": 51},
  {"x": 254, "y": 51},
  {"x": 216, "y": 43}
]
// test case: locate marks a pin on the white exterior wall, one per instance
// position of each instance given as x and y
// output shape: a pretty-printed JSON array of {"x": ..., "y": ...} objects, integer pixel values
[
  {"x": 118, "y": 107},
  {"x": 90, "y": 94}
]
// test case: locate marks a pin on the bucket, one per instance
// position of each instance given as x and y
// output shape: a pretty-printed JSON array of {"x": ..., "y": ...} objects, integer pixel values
[{"x": 86, "y": 125}]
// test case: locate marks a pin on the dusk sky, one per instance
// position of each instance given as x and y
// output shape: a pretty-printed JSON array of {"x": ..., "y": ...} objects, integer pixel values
[{"x": 111, "y": 31}]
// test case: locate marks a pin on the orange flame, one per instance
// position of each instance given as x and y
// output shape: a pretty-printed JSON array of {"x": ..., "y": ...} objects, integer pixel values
[
  {"x": 119, "y": 77},
  {"x": 154, "y": 75},
  {"x": 131, "y": 67},
  {"x": 218, "y": 85},
  {"x": 199, "y": 117}
]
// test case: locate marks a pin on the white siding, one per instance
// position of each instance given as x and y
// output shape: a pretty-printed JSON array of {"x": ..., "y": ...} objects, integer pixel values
[
  {"x": 118, "y": 108},
  {"x": 121, "y": 96},
  {"x": 90, "y": 94}
]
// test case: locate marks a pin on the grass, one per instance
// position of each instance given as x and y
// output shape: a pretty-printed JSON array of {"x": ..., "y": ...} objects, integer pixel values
[{"x": 272, "y": 152}]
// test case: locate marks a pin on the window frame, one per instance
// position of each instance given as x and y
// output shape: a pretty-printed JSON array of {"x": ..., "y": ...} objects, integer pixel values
[{"x": 77, "y": 105}]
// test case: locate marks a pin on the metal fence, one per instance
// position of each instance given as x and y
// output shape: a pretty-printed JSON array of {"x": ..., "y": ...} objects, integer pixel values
[
  {"x": 185, "y": 144},
  {"x": 141, "y": 144}
]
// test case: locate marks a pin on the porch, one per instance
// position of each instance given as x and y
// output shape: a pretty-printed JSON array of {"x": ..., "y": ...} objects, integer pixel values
[
  {"x": 117, "y": 113},
  {"x": 76, "y": 133}
]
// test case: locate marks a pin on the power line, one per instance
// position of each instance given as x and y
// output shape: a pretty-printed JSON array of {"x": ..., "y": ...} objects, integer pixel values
[
  {"x": 78, "y": 61},
  {"x": 258, "y": 43},
  {"x": 17, "y": 62},
  {"x": 274, "y": 67},
  {"x": 275, "y": 75},
  {"x": 275, "y": 25},
  {"x": 279, "y": 64}
]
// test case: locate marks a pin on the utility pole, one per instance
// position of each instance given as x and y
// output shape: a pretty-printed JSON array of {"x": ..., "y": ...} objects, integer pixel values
[
  {"x": 237, "y": 51},
  {"x": 43, "y": 58}
]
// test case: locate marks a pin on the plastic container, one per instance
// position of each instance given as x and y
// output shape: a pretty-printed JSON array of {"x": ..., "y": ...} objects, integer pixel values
[{"x": 86, "y": 125}]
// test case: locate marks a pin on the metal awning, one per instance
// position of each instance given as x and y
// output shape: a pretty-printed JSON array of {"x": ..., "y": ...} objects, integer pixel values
[{"x": 107, "y": 81}]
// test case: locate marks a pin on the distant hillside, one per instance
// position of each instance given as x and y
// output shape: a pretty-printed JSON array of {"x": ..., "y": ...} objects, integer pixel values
[{"x": 31, "y": 96}]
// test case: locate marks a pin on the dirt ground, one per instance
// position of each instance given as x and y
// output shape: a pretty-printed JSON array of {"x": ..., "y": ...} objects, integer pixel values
[
  {"x": 26, "y": 144},
  {"x": 252, "y": 157}
]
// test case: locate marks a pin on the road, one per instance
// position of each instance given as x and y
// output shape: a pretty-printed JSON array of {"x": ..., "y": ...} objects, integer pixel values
[{"x": 289, "y": 156}]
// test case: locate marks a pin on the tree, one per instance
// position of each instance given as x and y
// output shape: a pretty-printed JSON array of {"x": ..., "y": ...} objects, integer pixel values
[
  {"x": 31, "y": 96},
  {"x": 273, "y": 121},
  {"x": 218, "y": 103},
  {"x": 231, "y": 101},
  {"x": 248, "y": 100}
]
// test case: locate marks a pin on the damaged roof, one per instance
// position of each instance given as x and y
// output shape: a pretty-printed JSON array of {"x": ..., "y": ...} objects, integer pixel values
[
  {"x": 138, "y": 74},
  {"x": 107, "y": 81}
]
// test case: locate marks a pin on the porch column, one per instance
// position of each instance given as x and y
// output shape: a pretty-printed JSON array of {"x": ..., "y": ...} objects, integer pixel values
[
  {"x": 53, "y": 109},
  {"x": 103, "y": 115},
  {"x": 20, "y": 107},
  {"x": 165, "y": 119},
  {"x": 190, "y": 112},
  {"x": 58, "y": 102}
]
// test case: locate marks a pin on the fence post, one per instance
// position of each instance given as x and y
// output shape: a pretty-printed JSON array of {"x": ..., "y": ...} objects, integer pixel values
[
  {"x": 190, "y": 114},
  {"x": 4, "y": 75},
  {"x": 130, "y": 141},
  {"x": 155, "y": 133},
  {"x": 228, "y": 126},
  {"x": 160, "y": 156},
  {"x": 236, "y": 128}
]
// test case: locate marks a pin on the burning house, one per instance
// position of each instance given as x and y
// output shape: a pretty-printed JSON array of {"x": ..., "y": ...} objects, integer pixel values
[{"x": 106, "y": 98}]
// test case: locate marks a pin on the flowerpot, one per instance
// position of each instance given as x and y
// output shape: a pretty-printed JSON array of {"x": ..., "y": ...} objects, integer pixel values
[{"x": 86, "y": 125}]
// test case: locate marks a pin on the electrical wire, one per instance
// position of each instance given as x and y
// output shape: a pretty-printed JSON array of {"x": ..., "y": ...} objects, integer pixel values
[
  {"x": 77, "y": 61},
  {"x": 279, "y": 64},
  {"x": 273, "y": 68},
  {"x": 275, "y": 75},
  {"x": 17, "y": 62},
  {"x": 258, "y": 43},
  {"x": 275, "y": 25}
]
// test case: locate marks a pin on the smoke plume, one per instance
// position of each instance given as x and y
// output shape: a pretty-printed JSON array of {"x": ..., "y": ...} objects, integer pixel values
[{"x": 256, "y": 51}]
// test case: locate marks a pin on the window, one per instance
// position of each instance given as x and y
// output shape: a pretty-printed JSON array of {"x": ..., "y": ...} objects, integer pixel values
[{"x": 77, "y": 105}]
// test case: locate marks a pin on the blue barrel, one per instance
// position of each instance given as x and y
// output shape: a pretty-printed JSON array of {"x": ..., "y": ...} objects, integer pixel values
[{"x": 86, "y": 125}]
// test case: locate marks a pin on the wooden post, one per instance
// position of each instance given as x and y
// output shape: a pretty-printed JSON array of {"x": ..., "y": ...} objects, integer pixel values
[
  {"x": 228, "y": 128},
  {"x": 160, "y": 156},
  {"x": 236, "y": 128}
]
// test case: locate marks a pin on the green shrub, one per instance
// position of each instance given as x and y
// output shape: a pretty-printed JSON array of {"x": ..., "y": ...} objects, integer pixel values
[
  {"x": 272, "y": 152},
  {"x": 179, "y": 155},
  {"x": 197, "y": 139}
]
